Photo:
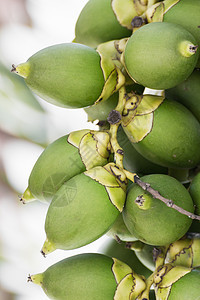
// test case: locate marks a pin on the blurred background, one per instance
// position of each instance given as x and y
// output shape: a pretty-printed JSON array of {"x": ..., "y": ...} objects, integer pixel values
[{"x": 27, "y": 125}]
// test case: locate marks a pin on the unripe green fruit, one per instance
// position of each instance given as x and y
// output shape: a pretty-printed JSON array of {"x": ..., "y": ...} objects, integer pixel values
[
  {"x": 194, "y": 191},
  {"x": 59, "y": 162},
  {"x": 185, "y": 13},
  {"x": 188, "y": 93},
  {"x": 97, "y": 24},
  {"x": 174, "y": 140},
  {"x": 133, "y": 161},
  {"x": 119, "y": 231},
  {"x": 67, "y": 75},
  {"x": 100, "y": 111},
  {"x": 145, "y": 254},
  {"x": 187, "y": 287},
  {"x": 85, "y": 276},
  {"x": 118, "y": 250},
  {"x": 63, "y": 159},
  {"x": 151, "y": 220},
  {"x": 160, "y": 55},
  {"x": 82, "y": 210}
]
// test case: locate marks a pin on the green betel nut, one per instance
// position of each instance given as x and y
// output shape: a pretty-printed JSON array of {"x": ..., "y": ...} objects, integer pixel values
[
  {"x": 160, "y": 55},
  {"x": 84, "y": 208},
  {"x": 145, "y": 253},
  {"x": 97, "y": 23},
  {"x": 188, "y": 93},
  {"x": 120, "y": 232},
  {"x": 63, "y": 159},
  {"x": 67, "y": 75},
  {"x": 85, "y": 276},
  {"x": 185, "y": 13},
  {"x": 101, "y": 110},
  {"x": 133, "y": 161},
  {"x": 90, "y": 276},
  {"x": 151, "y": 220},
  {"x": 172, "y": 138}
]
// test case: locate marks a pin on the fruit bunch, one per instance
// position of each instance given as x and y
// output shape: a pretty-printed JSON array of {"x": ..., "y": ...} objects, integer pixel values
[{"x": 133, "y": 66}]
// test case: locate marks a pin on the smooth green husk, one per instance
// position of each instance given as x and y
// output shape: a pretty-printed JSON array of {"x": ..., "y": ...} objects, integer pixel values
[
  {"x": 59, "y": 162},
  {"x": 133, "y": 161},
  {"x": 120, "y": 232},
  {"x": 145, "y": 254},
  {"x": 174, "y": 140},
  {"x": 101, "y": 110},
  {"x": 63, "y": 159},
  {"x": 153, "y": 222},
  {"x": 81, "y": 211},
  {"x": 185, "y": 13},
  {"x": 157, "y": 55},
  {"x": 97, "y": 24},
  {"x": 188, "y": 93},
  {"x": 85, "y": 276},
  {"x": 67, "y": 75}
]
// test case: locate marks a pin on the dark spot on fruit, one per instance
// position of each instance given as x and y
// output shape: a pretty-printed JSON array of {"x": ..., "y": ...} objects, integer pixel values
[
  {"x": 193, "y": 48},
  {"x": 140, "y": 200}
]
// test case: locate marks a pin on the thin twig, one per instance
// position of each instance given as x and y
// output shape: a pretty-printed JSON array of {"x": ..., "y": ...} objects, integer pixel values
[{"x": 146, "y": 186}]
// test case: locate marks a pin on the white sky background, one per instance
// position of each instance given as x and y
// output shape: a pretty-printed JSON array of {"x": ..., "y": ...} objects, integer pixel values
[{"x": 22, "y": 227}]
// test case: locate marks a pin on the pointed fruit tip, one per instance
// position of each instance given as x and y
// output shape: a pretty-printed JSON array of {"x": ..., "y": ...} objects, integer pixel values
[
  {"x": 13, "y": 68},
  {"x": 47, "y": 248},
  {"x": 29, "y": 279},
  {"x": 43, "y": 253},
  {"x": 26, "y": 197},
  {"x": 22, "y": 70},
  {"x": 21, "y": 199},
  {"x": 37, "y": 279}
]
